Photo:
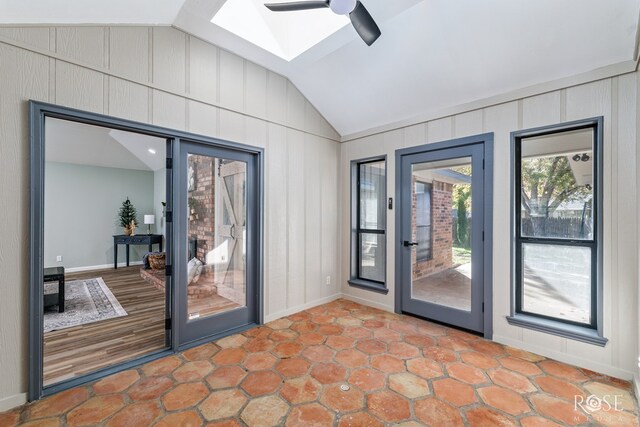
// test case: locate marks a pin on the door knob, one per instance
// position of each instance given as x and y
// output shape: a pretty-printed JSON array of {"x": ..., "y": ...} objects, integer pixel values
[{"x": 408, "y": 243}]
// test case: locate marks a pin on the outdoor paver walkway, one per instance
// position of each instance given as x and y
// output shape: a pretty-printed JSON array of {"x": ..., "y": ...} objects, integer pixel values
[{"x": 399, "y": 371}]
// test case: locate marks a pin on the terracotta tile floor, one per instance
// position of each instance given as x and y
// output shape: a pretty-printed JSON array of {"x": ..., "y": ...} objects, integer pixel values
[{"x": 400, "y": 371}]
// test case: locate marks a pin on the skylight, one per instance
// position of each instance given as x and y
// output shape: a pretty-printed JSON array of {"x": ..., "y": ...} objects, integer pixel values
[{"x": 285, "y": 34}]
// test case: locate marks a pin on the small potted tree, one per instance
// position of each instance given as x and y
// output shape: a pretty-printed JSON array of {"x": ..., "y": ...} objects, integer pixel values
[{"x": 127, "y": 218}]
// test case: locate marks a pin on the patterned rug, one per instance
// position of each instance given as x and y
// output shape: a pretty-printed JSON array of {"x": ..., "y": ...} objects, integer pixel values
[{"x": 86, "y": 301}]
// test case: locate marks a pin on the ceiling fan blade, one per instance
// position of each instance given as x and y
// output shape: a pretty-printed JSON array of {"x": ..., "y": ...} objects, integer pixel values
[
  {"x": 297, "y": 5},
  {"x": 364, "y": 24}
]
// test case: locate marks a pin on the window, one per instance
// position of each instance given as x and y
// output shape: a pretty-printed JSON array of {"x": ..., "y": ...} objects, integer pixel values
[
  {"x": 369, "y": 244},
  {"x": 557, "y": 241},
  {"x": 423, "y": 221}
]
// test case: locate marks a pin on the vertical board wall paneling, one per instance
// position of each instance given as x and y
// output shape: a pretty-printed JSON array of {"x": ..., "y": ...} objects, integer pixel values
[
  {"x": 25, "y": 75},
  {"x": 501, "y": 120},
  {"x": 296, "y": 224},
  {"x": 625, "y": 217},
  {"x": 173, "y": 62},
  {"x": 595, "y": 99},
  {"x": 312, "y": 219},
  {"x": 129, "y": 52}
]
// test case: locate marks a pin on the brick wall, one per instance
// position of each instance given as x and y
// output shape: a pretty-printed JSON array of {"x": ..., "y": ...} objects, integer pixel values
[
  {"x": 441, "y": 229},
  {"x": 202, "y": 221}
]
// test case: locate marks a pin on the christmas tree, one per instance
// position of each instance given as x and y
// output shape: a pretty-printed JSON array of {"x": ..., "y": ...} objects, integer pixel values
[{"x": 127, "y": 214}]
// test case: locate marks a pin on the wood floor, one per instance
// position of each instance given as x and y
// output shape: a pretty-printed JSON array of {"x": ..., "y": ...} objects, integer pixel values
[{"x": 76, "y": 351}]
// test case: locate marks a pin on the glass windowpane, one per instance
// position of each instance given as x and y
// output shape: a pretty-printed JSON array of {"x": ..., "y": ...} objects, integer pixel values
[
  {"x": 372, "y": 186},
  {"x": 372, "y": 256},
  {"x": 557, "y": 281},
  {"x": 557, "y": 185}
]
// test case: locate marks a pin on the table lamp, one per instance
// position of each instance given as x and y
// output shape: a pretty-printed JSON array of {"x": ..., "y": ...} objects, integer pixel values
[{"x": 149, "y": 219}]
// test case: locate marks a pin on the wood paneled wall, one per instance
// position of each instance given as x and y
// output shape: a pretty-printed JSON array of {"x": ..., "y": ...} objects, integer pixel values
[
  {"x": 163, "y": 76},
  {"x": 617, "y": 100}
]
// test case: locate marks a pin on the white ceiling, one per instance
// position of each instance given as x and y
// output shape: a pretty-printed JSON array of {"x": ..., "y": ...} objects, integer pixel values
[
  {"x": 433, "y": 54},
  {"x": 81, "y": 144}
]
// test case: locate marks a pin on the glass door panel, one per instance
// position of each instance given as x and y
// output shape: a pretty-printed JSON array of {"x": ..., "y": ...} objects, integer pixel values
[
  {"x": 441, "y": 226},
  {"x": 216, "y": 279}
]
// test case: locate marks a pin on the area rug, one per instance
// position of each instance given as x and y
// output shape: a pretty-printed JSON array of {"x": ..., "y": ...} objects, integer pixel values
[{"x": 86, "y": 301}]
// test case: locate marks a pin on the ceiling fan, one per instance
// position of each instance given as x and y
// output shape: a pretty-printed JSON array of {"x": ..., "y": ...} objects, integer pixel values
[{"x": 359, "y": 15}]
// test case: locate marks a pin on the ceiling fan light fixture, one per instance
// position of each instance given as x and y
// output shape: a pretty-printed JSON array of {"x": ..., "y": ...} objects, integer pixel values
[{"x": 342, "y": 7}]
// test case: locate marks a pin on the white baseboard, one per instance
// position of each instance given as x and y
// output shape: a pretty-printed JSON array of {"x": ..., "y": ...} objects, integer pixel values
[
  {"x": 99, "y": 267},
  {"x": 567, "y": 358},
  {"x": 10, "y": 402},
  {"x": 364, "y": 301},
  {"x": 296, "y": 309}
]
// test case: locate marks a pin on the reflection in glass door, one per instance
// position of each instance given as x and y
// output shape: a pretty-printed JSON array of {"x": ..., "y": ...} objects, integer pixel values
[
  {"x": 216, "y": 291},
  {"x": 442, "y": 225}
]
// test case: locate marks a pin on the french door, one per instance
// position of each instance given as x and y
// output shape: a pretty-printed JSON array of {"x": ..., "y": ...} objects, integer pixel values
[
  {"x": 217, "y": 257},
  {"x": 441, "y": 242}
]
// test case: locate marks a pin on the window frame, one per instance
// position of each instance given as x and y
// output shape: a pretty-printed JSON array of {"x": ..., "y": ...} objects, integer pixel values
[
  {"x": 586, "y": 332},
  {"x": 428, "y": 185},
  {"x": 356, "y": 231}
]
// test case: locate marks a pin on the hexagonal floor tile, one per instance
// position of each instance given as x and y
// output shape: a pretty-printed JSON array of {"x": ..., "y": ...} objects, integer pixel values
[
  {"x": 351, "y": 358},
  {"x": 259, "y": 361},
  {"x": 342, "y": 401},
  {"x": 367, "y": 379},
  {"x": 371, "y": 346},
  {"x": 503, "y": 399},
  {"x": 116, "y": 383},
  {"x": 229, "y": 356},
  {"x": 511, "y": 380},
  {"x": 58, "y": 404},
  {"x": 424, "y": 368},
  {"x": 558, "y": 409},
  {"x": 261, "y": 382},
  {"x": 141, "y": 414},
  {"x": 318, "y": 353},
  {"x": 300, "y": 390},
  {"x": 95, "y": 410},
  {"x": 149, "y": 388},
  {"x": 202, "y": 352},
  {"x": 186, "y": 419},
  {"x": 265, "y": 411},
  {"x": 562, "y": 370},
  {"x": 454, "y": 392},
  {"x": 294, "y": 367},
  {"x": 388, "y": 406},
  {"x": 184, "y": 396},
  {"x": 288, "y": 349},
  {"x": 387, "y": 364},
  {"x": 226, "y": 376},
  {"x": 222, "y": 404},
  {"x": 232, "y": 341},
  {"x": 328, "y": 373},
  {"x": 432, "y": 411},
  {"x": 488, "y": 417},
  {"x": 466, "y": 373},
  {"x": 192, "y": 371},
  {"x": 409, "y": 385},
  {"x": 161, "y": 367},
  {"x": 309, "y": 415}
]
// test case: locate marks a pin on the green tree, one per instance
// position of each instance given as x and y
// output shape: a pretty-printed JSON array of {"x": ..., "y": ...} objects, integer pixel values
[
  {"x": 462, "y": 203},
  {"x": 127, "y": 214},
  {"x": 547, "y": 182}
]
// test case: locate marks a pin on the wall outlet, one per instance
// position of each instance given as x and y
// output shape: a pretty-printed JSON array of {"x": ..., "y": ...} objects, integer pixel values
[
  {"x": 328, "y": 281},
  {"x": 59, "y": 258}
]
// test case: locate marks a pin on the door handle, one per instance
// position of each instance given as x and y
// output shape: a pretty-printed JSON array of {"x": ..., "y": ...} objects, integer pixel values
[{"x": 408, "y": 243}]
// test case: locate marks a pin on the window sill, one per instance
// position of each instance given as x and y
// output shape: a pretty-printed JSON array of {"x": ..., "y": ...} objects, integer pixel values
[
  {"x": 574, "y": 332},
  {"x": 369, "y": 286}
]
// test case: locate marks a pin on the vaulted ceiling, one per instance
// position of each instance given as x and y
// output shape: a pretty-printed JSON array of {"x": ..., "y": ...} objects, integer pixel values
[{"x": 433, "y": 54}]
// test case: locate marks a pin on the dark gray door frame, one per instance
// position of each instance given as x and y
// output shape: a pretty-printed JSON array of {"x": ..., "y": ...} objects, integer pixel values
[
  {"x": 38, "y": 112},
  {"x": 486, "y": 140}
]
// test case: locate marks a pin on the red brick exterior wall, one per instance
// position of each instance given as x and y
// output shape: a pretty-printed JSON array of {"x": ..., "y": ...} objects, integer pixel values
[
  {"x": 441, "y": 229},
  {"x": 202, "y": 226}
]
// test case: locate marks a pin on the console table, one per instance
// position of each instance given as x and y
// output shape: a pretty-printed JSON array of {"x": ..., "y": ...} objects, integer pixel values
[
  {"x": 138, "y": 239},
  {"x": 55, "y": 274}
]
